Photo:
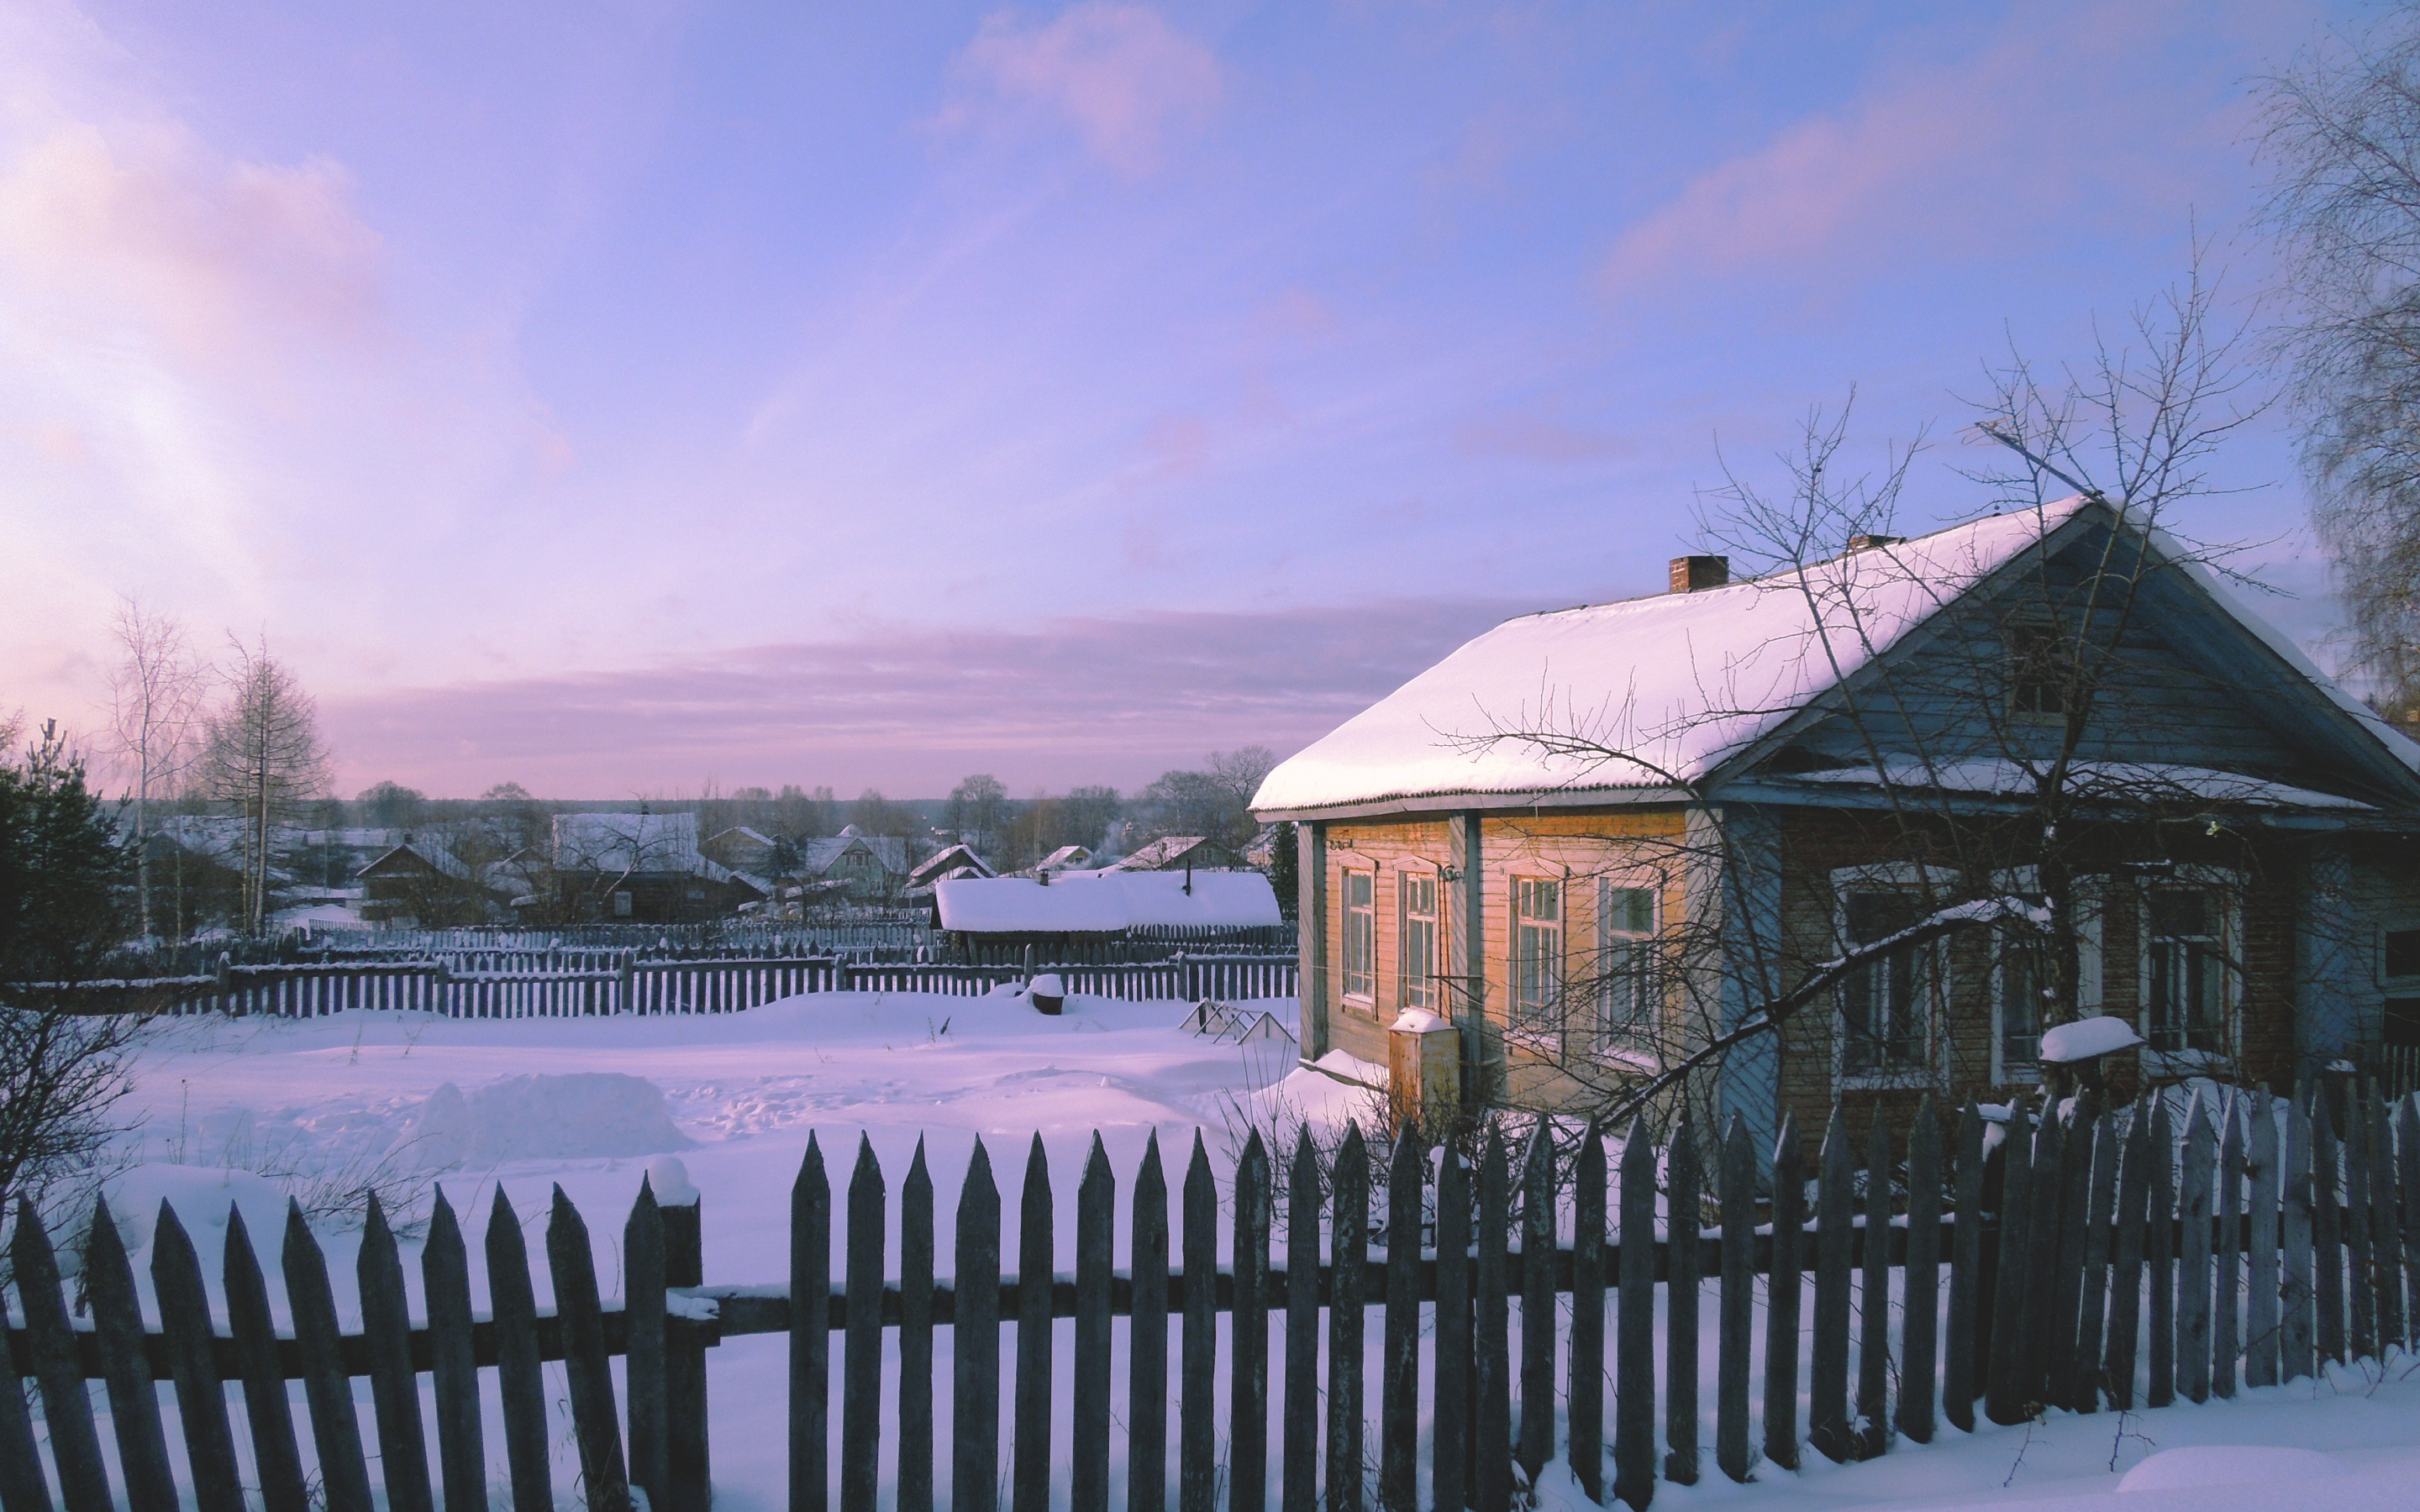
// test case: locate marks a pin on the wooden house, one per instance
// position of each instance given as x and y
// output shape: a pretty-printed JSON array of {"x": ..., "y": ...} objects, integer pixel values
[
  {"x": 856, "y": 864},
  {"x": 1598, "y": 837},
  {"x": 420, "y": 884},
  {"x": 953, "y": 860},
  {"x": 641, "y": 868}
]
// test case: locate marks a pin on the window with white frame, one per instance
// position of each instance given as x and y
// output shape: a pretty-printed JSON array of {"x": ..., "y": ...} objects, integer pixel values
[
  {"x": 1537, "y": 950},
  {"x": 1626, "y": 997},
  {"x": 2188, "y": 985},
  {"x": 2019, "y": 971},
  {"x": 1416, "y": 896},
  {"x": 1361, "y": 935},
  {"x": 1885, "y": 1005}
]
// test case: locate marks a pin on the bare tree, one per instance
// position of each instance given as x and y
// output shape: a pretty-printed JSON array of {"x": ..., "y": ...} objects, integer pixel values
[
  {"x": 2343, "y": 129},
  {"x": 155, "y": 709},
  {"x": 265, "y": 758}
]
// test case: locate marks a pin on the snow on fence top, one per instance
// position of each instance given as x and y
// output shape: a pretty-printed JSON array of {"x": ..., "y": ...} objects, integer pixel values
[
  {"x": 1106, "y": 904},
  {"x": 1661, "y": 691}
]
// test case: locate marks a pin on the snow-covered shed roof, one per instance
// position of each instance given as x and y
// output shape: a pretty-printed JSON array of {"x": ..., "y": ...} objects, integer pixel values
[
  {"x": 1679, "y": 683},
  {"x": 1104, "y": 903},
  {"x": 948, "y": 861},
  {"x": 434, "y": 852}
]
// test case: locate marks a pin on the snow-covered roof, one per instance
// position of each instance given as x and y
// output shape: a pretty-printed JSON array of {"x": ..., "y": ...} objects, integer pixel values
[
  {"x": 2137, "y": 781},
  {"x": 1164, "y": 853},
  {"x": 948, "y": 861},
  {"x": 819, "y": 855},
  {"x": 1678, "y": 684},
  {"x": 1067, "y": 858},
  {"x": 1105, "y": 905},
  {"x": 432, "y": 851},
  {"x": 625, "y": 842}
]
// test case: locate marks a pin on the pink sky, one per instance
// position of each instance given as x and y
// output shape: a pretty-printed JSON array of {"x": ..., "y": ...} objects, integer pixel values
[{"x": 610, "y": 398}]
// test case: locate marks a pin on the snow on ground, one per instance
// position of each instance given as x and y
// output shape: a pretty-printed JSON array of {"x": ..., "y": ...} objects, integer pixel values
[{"x": 244, "y": 1112}]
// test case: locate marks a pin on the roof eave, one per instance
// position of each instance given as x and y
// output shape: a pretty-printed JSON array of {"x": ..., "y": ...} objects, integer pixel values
[{"x": 1460, "y": 801}]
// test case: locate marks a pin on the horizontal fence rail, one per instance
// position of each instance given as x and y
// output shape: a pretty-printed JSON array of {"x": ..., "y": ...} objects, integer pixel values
[{"x": 2094, "y": 1261}]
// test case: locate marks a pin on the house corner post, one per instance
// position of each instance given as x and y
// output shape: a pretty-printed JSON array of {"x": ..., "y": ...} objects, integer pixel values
[
  {"x": 1467, "y": 924},
  {"x": 1311, "y": 933}
]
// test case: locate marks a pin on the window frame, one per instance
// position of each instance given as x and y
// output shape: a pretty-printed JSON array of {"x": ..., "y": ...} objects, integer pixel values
[
  {"x": 1930, "y": 983},
  {"x": 2229, "y": 886},
  {"x": 1432, "y": 878},
  {"x": 2088, "y": 907},
  {"x": 1637, "y": 1043},
  {"x": 1535, "y": 1022},
  {"x": 2028, "y": 641},
  {"x": 1366, "y": 915}
]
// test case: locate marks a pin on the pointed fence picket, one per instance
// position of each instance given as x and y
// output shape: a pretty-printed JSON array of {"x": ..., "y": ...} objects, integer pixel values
[{"x": 2074, "y": 1237}]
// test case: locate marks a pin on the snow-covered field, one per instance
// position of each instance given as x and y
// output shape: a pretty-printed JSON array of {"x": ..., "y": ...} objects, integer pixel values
[{"x": 250, "y": 1110}]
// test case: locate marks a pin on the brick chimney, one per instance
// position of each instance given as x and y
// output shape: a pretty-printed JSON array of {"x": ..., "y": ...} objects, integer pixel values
[{"x": 1690, "y": 574}]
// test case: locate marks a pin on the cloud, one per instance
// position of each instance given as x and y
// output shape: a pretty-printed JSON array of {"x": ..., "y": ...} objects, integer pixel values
[
  {"x": 1075, "y": 700},
  {"x": 2057, "y": 120},
  {"x": 1120, "y": 74}
]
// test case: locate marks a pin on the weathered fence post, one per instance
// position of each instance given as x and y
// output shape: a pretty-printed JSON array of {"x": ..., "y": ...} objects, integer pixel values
[
  {"x": 117, "y": 1329},
  {"x": 1958, "y": 1384},
  {"x": 1738, "y": 1315},
  {"x": 573, "y": 1266},
  {"x": 1537, "y": 1302},
  {"x": 2005, "y": 1400},
  {"x": 2193, "y": 1255},
  {"x": 453, "y": 1365},
  {"x": 1197, "y": 1467},
  {"x": 2126, "y": 1271},
  {"x": 1827, "y": 1395},
  {"x": 1095, "y": 1199},
  {"x": 2361, "y": 1281},
  {"x": 519, "y": 1376},
  {"x": 1634, "y": 1364},
  {"x": 2386, "y": 1224},
  {"x": 201, "y": 1397},
  {"x": 1684, "y": 1269},
  {"x": 276, "y": 1457},
  {"x": 1782, "y": 1289},
  {"x": 2225, "y": 1330},
  {"x": 810, "y": 1333},
  {"x": 916, "y": 1249},
  {"x": 1399, "y": 1386},
  {"x": 1147, "y": 1339},
  {"x": 2260, "y": 1322},
  {"x": 1449, "y": 1467},
  {"x": 686, "y": 1453},
  {"x": 2159, "y": 1254},
  {"x": 1302, "y": 1423},
  {"x": 2100, "y": 1210},
  {"x": 1920, "y": 1287},
  {"x": 1587, "y": 1316},
  {"x": 67, "y": 1409},
  {"x": 1029, "y": 1473},
  {"x": 974, "y": 1342},
  {"x": 1492, "y": 1457},
  {"x": 335, "y": 1432},
  {"x": 1874, "y": 1337},
  {"x": 1247, "y": 1429},
  {"x": 2327, "y": 1228},
  {"x": 1348, "y": 1248},
  {"x": 860, "y": 1394},
  {"x": 643, "y": 1322}
]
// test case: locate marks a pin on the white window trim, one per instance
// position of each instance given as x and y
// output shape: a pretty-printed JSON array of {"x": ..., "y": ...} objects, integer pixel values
[
  {"x": 1545, "y": 1039},
  {"x": 2087, "y": 904},
  {"x": 2230, "y": 885},
  {"x": 1344, "y": 912},
  {"x": 1606, "y": 1048},
  {"x": 1434, "y": 875},
  {"x": 1933, "y": 1072},
  {"x": 2394, "y": 923}
]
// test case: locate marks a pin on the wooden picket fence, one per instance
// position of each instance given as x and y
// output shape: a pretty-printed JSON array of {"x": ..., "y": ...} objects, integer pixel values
[
  {"x": 2030, "y": 1272},
  {"x": 709, "y": 986}
]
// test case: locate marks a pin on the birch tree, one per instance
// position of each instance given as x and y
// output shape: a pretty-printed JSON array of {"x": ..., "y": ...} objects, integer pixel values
[
  {"x": 264, "y": 758},
  {"x": 2342, "y": 130},
  {"x": 157, "y": 691}
]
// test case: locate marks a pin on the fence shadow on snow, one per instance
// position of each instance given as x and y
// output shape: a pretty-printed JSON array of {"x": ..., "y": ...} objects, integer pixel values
[{"x": 2245, "y": 1247}]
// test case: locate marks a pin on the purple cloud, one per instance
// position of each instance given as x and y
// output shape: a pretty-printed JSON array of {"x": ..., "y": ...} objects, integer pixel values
[{"x": 1072, "y": 701}]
